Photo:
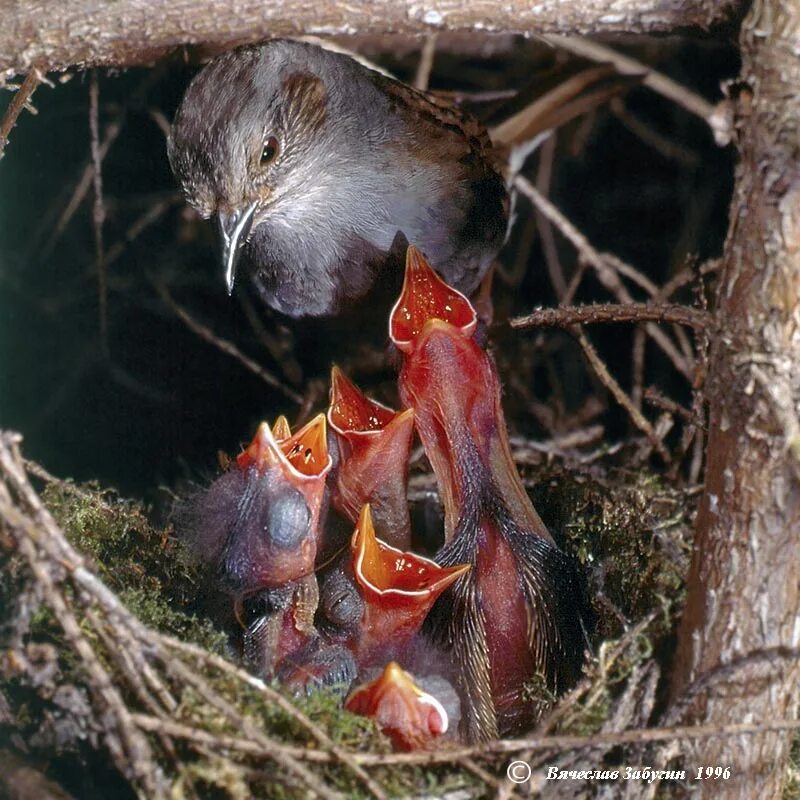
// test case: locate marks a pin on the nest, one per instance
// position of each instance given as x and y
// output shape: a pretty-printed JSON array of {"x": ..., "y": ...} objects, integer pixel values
[{"x": 115, "y": 679}]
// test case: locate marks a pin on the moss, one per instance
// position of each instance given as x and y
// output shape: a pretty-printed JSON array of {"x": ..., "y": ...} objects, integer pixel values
[
  {"x": 145, "y": 565},
  {"x": 628, "y": 532},
  {"x": 631, "y": 535}
]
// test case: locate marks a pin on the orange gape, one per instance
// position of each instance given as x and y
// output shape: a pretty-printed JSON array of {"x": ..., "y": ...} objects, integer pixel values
[
  {"x": 274, "y": 536},
  {"x": 514, "y": 620},
  {"x": 412, "y": 718},
  {"x": 398, "y": 589},
  {"x": 374, "y": 444}
]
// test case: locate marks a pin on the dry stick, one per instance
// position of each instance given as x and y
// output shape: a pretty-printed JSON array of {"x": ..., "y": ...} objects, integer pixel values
[
  {"x": 641, "y": 422},
  {"x": 224, "y": 345},
  {"x": 607, "y": 268},
  {"x": 132, "y": 753},
  {"x": 129, "y": 641},
  {"x": 589, "y": 742},
  {"x": 112, "y": 131},
  {"x": 656, "y": 398},
  {"x": 98, "y": 210},
  {"x": 637, "y": 366},
  {"x": 660, "y": 143},
  {"x": 141, "y": 224},
  {"x": 274, "y": 345},
  {"x": 423, "y": 77},
  {"x": 479, "y": 772},
  {"x": 543, "y": 226},
  {"x": 240, "y": 722},
  {"x": 285, "y": 705},
  {"x": 615, "y": 312},
  {"x": 20, "y": 100},
  {"x": 122, "y": 657},
  {"x": 659, "y": 83},
  {"x": 590, "y": 687},
  {"x": 62, "y": 552},
  {"x": 627, "y": 271}
]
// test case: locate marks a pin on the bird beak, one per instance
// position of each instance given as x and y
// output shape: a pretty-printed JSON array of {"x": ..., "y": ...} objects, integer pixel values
[
  {"x": 411, "y": 718},
  {"x": 425, "y": 296},
  {"x": 399, "y": 588},
  {"x": 374, "y": 444},
  {"x": 234, "y": 228}
]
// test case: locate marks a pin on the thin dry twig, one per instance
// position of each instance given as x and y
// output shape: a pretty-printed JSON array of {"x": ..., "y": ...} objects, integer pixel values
[
  {"x": 21, "y": 100},
  {"x": 592, "y": 742},
  {"x": 84, "y": 183},
  {"x": 581, "y": 46},
  {"x": 110, "y": 619},
  {"x": 425, "y": 66},
  {"x": 614, "y": 312},
  {"x": 281, "y": 702},
  {"x": 638, "y": 419},
  {"x": 608, "y": 268},
  {"x": 98, "y": 209},
  {"x": 224, "y": 345}
]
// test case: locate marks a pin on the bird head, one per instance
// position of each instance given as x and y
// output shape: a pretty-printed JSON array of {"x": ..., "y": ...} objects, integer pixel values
[
  {"x": 411, "y": 717},
  {"x": 275, "y": 520},
  {"x": 249, "y": 132},
  {"x": 380, "y": 603},
  {"x": 374, "y": 444}
]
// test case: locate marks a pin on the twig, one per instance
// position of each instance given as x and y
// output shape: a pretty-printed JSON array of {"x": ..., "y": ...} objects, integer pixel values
[
  {"x": 111, "y": 134},
  {"x": 279, "y": 700},
  {"x": 600, "y": 369},
  {"x": 544, "y": 227},
  {"x": 637, "y": 366},
  {"x": 614, "y": 312},
  {"x": 659, "y": 83},
  {"x": 132, "y": 752},
  {"x": 98, "y": 210},
  {"x": 192, "y": 678},
  {"x": 534, "y": 744},
  {"x": 141, "y": 224},
  {"x": 423, "y": 77},
  {"x": 660, "y": 143},
  {"x": 20, "y": 100},
  {"x": 606, "y": 267},
  {"x": 224, "y": 345},
  {"x": 656, "y": 398}
]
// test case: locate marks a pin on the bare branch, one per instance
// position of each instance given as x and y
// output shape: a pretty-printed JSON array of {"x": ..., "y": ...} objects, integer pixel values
[
  {"x": 613, "y": 312},
  {"x": 665, "y": 86},
  {"x": 54, "y": 35},
  {"x": 225, "y": 346},
  {"x": 21, "y": 98}
]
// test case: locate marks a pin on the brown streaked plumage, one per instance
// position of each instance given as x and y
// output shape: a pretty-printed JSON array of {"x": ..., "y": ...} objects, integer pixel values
[
  {"x": 362, "y": 160},
  {"x": 364, "y": 165}
]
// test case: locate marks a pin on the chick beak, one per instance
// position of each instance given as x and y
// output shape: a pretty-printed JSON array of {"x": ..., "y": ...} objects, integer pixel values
[
  {"x": 234, "y": 228},
  {"x": 425, "y": 296},
  {"x": 411, "y": 718}
]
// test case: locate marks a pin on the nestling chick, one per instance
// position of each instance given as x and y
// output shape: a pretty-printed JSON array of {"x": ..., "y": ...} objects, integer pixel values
[
  {"x": 414, "y": 713},
  {"x": 373, "y": 444},
  {"x": 376, "y": 600},
  {"x": 259, "y": 523},
  {"x": 514, "y": 621}
]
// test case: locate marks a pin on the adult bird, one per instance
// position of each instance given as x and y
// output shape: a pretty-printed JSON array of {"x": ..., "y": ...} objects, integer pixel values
[{"x": 320, "y": 170}]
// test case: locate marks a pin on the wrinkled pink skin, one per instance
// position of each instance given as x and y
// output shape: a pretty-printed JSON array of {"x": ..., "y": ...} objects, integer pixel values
[{"x": 513, "y": 616}]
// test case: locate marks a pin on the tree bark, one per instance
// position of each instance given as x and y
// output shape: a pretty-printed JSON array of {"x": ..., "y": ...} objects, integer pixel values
[
  {"x": 56, "y": 35},
  {"x": 742, "y": 603}
]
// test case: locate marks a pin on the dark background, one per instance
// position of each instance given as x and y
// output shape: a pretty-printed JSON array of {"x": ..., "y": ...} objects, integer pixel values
[{"x": 156, "y": 408}]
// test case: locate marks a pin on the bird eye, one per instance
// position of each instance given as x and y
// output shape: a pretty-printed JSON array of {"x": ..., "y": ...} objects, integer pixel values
[{"x": 268, "y": 151}]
